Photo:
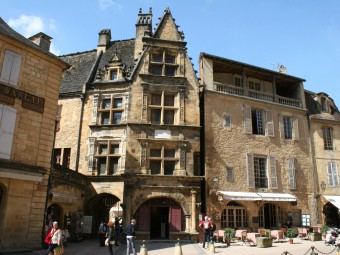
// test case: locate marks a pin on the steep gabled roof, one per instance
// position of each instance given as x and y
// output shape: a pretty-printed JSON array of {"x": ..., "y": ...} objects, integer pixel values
[
  {"x": 165, "y": 23},
  {"x": 76, "y": 76}
]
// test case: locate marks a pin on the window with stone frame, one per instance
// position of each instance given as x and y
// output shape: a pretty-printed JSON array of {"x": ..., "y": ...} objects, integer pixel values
[
  {"x": 162, "y": 160},
  {"x": 238, "y": 81},
  {"x": 230, "y": 174},
  {"x": 260, "y": 172},
  {"x": 111, "y": 110},
  {"x": 57, "y": 156},
  {"x": 258, "y": 121},
  {"x": 327, "y": 138},
  {"x": 8, "y": 117},
  {"x": 58, "y": 117},
  {"x": 163, "y": 63},
  {"x": 324, "y": 104},
  {"x": 227, "y": 121},
  {"x": 163, "y": 108},
  {"x": 332, "y": 174},
  {"x": 66, "y": 157},
  {"x": 11, "y": 67},
  {"x": 113, "y": 74},
  {"x": 107, "y": 157}
]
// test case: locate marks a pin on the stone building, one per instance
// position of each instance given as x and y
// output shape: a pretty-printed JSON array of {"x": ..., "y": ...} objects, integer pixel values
[
  {"x": 129, "y": 120},
  {"x": 257, "y": 151},
  {"x": 324, "y": 118},
  {"x": 30, "y": 78}
]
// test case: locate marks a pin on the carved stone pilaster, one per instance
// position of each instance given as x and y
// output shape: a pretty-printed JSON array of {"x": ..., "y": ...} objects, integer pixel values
[
  {"x": 91, "y": 153},
  {"x": 182, "y": 157},
  {"x": 181, "y": 106},
  {"x": 123, "y": 155},
  {"x": 144, "y": 146},
  {"x": 145, "y": 103},
  {"x": 95, "y": 109},
  {"x": 126, "y": 105},
  {"x": 181, "y": 64}
]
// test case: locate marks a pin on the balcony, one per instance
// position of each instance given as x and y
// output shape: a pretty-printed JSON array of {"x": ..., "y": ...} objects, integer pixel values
[{"x": 234, "y": 90}]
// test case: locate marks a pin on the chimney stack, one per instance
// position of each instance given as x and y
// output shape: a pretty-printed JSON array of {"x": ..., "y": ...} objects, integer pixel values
[
  {"x": 282, "y": 69},
  {"x": 143, "y": 28},
  {"x": 103, "y": 40},
  {"x": 42, "y": 40}
]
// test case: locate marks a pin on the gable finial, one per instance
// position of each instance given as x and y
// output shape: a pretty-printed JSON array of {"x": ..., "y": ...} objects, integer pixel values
[
  {"x": 140, "y": 11},
  {"x": 150, "y": 10}
]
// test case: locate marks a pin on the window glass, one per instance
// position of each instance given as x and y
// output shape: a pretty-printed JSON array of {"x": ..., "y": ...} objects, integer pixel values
[
  {"x": 170, "y": 59},
  {"x": 102, "y": 149},
  {"x": 257, "y": 122},
  {"x": 105, "y": 118},
  {"x": 327, "y": 138},
  {"x": 169, "y": 116},
  {"x": 155, "y": 116},
  {"x": 261, "y": 180},
  {"x": 57, "y": 156},
  {"x": 238, "y": 82},
  {"x": 113, "y": 166},
  {"x": 117, "y": 117},
  {"x": 169, "y": 153},
  {"x": 169, "y": 167},
  {"x": 117, "y": 103},
  {"x": 106, "y": 103},
  {"x": 114, "y": 74},
  {"x": 114, "y": 149},
  {"x": 157, "y": 58},
  {"x": 227, "y": 121},
  {"x": 102, "y": 166},
  {"x": 287, "y": 127},
  {"x": 169, "y": 100},
  {"x": 156, "y": 69},
  {"x": 170, "y": 70},
  {"x": 156, "y": 99},
  {"x": 155, "y": 153},
  {"x": 66, "y": 157},
  {"x": 155, "y": 166}
]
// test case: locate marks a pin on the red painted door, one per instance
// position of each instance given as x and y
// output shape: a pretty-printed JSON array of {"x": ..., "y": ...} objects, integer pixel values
[
  {"x": 143, "y": 221},
  {"x": 175, "y": 219}
]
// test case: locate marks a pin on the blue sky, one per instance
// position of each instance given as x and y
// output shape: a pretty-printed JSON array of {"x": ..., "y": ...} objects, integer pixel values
[{"x": 303, "y": 35}]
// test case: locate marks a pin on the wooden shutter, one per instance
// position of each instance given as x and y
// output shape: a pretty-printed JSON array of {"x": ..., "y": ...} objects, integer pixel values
[
  {"x": 144, "y": 218},
  {"x": 332, "y": 174},
  {"x": 11, "y": 67},
  {"x": 295, "y": 133},
  {"x": 7, "y": 125},
  {"x": 272, "y": 172},
  {"x": 175, "y": 219},
  {"x": 58, "y": 117},
  {"x": 281, "y": 127},
  {"x": 250, "y": 171},
  {"x": 247, "y": 119},
  {"x": 269, "y": 123},
  {"x": 291, "y": 173}
]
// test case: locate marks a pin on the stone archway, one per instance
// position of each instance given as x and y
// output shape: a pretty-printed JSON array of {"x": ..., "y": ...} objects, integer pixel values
[
  {"x": 160, "y": 216},
  {"x": 99, "y": 207},
  {"x": 331, "y": 214},
  {"x": 55, "y": 213}
]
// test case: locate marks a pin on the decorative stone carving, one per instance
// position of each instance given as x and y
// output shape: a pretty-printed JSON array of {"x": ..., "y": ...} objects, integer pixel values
[
  {"x": 183, "y": 149},
  {"x": 181, "y": 106},
  {"x": 95, "y": 109},
  {"x": 145, "y": 103},
  {"x": 144, "y": 146},
  {"x": 91, "y": 153}
]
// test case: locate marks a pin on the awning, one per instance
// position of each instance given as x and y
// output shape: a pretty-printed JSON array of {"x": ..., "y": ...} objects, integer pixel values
[
  {"x": 253, "y": 196},
  {"x": 63, "y": 198},
  {"x": 335, "y": 200}
]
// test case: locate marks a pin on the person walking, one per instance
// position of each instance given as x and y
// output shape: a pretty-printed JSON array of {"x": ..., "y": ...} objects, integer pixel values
[
  {"x": 206, "y": 226},
  {"x": 130, "y": 237},
  {"x": 110, "y": 236},
  {"x": 213, "y": 229},
  {"x": 56, "y": 238},
  {"x": 117, "y": 231},
  {"x": 102, "y": 231}
]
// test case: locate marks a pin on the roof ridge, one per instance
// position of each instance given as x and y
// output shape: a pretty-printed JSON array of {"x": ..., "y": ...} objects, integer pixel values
[{"x": 78, "y": 53}]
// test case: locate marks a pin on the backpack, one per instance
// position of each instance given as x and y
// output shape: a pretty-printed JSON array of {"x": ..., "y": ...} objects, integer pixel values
[{"x": 104, "y": 228}]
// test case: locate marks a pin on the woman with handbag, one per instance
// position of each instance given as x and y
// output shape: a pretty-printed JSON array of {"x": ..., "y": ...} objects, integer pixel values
[
  {"x": 110, "y": 237},
  {"x": 56, "y": 244}
]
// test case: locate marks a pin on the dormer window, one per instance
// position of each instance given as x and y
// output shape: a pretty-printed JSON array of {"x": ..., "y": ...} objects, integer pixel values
[
  {"x": 324, "y": 104},
  {"x": 163, "y": 63}
]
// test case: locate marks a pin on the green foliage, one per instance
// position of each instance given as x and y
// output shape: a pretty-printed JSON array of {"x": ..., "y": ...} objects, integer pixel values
[
  {"x": 290, "y": 233},
  {"x": 267, "y": 234},
  {"x": 324, "y": 229},
  {"x": 229, "y": 233}
]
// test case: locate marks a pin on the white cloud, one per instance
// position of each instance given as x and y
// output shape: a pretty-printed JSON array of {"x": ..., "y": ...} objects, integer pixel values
[
  {"x": 52, "y": 25},
  {"x": 105, "y": 4},
  {"x": 27, "y": 25},
  {"x": 54, "y": 50}
]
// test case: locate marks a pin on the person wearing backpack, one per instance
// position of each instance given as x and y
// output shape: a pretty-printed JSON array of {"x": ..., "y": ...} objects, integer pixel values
[
  {"x": 102, "y": 233},
  {"x": 206, "y": 226}
]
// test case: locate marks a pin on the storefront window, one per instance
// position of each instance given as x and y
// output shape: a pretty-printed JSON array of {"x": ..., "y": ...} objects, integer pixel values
[{"x": 234, "y": 216}]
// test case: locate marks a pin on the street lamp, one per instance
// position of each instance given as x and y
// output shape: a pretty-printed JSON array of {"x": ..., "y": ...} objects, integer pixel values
[{"x": 215, "y": 181}]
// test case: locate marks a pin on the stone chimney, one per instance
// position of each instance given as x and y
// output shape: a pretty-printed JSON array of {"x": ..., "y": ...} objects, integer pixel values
[
  {"x": 143, "y": 28},
  {"x": 103, "y": 40},
  {"x": 282, "y": 69},
  {"x": 42, "y": 40}
]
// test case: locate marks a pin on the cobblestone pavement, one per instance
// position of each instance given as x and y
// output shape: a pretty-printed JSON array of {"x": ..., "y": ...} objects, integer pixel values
[{"x": 300, "y": 247}]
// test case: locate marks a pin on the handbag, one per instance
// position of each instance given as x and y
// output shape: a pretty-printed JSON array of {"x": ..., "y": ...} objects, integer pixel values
[
  {"x": 48, "y": 238},
  {"x": 107, "y": 241},
  {"x": 59, "y": 250}
]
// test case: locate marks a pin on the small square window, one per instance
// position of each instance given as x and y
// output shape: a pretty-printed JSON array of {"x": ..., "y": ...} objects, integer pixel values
[
  {"x": 114, "y": 149},
  {"x": 227, "y": 121},
  {"x": 157, "y": 58},
  {"x": 169, "y": 100},
  {"x": 102, "y": 149},
  {"x": 170, "y": 59},
  {"x": 156, "y": 99},
  {"x": 230, "y": 174}
]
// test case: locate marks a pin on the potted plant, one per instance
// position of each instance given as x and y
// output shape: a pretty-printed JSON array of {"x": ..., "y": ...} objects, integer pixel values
[
  {"x": 290, "y": 234},
  {"x": 229, "y": 234},
  {"x": 323, "y": 231}
]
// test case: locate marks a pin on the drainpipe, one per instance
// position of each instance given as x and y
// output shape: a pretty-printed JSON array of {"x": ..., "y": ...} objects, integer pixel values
[{"x": 82, "y": 98}]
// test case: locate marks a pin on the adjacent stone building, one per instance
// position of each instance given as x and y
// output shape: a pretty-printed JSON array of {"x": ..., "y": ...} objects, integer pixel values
[
  {"x": 257, "y": 150},
  {"x": 30, "y": 79},
  {"x": 324, "y": 118},
  {"x": 129, "y": 120}
]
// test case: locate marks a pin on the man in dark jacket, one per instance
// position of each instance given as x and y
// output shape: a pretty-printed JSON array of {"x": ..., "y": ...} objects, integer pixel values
[{"x": 130, "y": 237}]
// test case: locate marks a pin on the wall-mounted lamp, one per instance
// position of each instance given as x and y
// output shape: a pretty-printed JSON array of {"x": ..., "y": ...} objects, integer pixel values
[
  {"x": 215, "y": 181},
  {"x": 323, "y": 186}
]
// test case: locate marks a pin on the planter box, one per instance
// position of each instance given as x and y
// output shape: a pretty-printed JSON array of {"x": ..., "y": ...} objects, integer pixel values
[
  {"x": 264, "y": 242},
  {"x": 314, "y": 236}
]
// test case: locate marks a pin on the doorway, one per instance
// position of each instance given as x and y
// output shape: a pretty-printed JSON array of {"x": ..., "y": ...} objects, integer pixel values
[{"x": 159, "y": 223}]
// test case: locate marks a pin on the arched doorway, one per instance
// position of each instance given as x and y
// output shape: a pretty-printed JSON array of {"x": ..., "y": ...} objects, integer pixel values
[
  {"x": 55, "y": 212},
  {"x": 331, "y": 215},
  {"x": 234, "y": 216},
  {"x": 270, "y": 215},
  {"x": 99, "y": 207},
  {"x": 160, "y": 216}
]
